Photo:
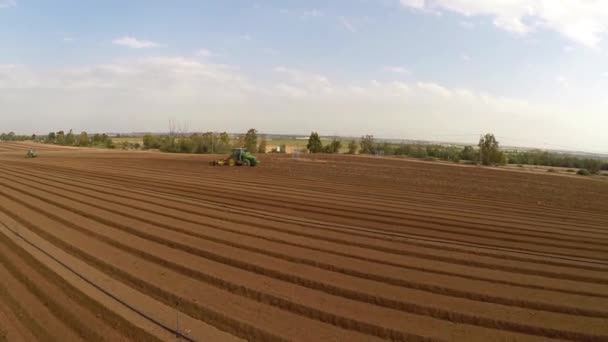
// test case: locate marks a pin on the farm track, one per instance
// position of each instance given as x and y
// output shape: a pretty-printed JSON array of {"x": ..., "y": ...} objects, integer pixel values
[{"x": 440, "y": 268}]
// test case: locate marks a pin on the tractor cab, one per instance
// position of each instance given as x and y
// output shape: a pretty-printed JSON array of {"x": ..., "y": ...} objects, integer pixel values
[{"x": 238, "y": 153}]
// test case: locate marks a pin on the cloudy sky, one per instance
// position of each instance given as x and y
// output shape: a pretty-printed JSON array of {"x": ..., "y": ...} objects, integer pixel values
[{"x": 534, "y": 72}]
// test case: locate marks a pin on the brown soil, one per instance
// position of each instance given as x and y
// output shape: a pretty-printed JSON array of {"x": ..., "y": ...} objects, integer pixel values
[{"x": 346, "y": 248}]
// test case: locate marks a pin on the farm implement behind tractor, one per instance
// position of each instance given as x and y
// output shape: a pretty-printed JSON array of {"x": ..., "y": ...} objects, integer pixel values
[{"x": 238, "y": 157}]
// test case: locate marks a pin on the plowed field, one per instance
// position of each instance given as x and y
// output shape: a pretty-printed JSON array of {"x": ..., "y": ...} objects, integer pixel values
[{"x": 111, "y": 245}]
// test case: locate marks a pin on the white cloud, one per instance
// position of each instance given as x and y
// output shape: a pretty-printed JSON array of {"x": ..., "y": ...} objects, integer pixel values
[
  {"x": 465, "y": 57},
  {"x": 418, "y": 4},
  {"x": 135, "y": 43},
  {"x": 434, "y": 88},
  {"x": 347, "y": 24},
  {"x": 605, "y": 74},
  {"x": 562, "y": 81},
  {"x": 205, "y": 53},
  {"x": 140, "y": 94},
  {"x": 8, "y": 3},
  {"x": 396, "y": 69},
  {"x": 582, "y": 21}
]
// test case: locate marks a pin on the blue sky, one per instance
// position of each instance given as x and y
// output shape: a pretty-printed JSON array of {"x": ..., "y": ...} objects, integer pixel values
[{"x": 535, "y": 72}]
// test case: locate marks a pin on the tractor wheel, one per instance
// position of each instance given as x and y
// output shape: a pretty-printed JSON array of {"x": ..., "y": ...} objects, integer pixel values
[
  {"x": 231, "y": 162},
  {"x": 246, "y": 163}
]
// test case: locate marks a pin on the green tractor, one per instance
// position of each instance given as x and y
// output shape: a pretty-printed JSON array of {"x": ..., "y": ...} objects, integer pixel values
[
  {"x": 238, "y": 157},
  {"x": 31, "y": 154}
]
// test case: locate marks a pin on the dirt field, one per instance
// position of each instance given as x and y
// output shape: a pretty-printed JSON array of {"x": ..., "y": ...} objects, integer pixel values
[{"x": 110, "y": 245}]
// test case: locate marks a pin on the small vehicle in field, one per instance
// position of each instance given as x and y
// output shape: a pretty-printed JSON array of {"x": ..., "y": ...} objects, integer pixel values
[
  {"x": 31, "y": 154},
  {"x": 238, "y": 157}
]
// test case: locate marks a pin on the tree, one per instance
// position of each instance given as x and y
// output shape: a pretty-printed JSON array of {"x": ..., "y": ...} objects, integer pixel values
[
  {"x": 468, "y": 153},
  {"x": 333, "y": 147},
  {"x": 368, "y": 144},
  {"x": 223, "y": 144},
  {"x": 50, "y": 138},
  {"x": 150, "y": 142},
  {"x": 83, "y": 139},
  {"x": 69, "y": 138},
  {"x": 593, "y": 166},
  {"x": 489, "y": 150},
  {"x": 262, "y": 146},
  {"x": 60, "y": 139},
  {"x": 251, "y": 140},
  {"x": 352, "y": 147},
  {"x": 314, "y": 143}
]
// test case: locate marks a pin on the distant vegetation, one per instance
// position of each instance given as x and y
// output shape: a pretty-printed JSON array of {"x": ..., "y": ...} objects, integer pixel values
[
  {"x": 83, "y": 139},
  {"x": 11, "y": 136},
  {"x": 488, "y": 145},
  {"x": 545, "y": 158},
  {"x": 174, "y": 143},
  {"x": 486, "y": 152},
  {"x": 207, "y": 142}
]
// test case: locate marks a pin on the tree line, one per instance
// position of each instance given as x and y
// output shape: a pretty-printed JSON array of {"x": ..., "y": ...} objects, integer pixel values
[
  {"x": 83, "y": 139},
  {"x": 487, "y": 152},
  {"x": 208, "y": 142},
  {"x": 11, "y": 136},
  {"x": 545, "y": 158}
]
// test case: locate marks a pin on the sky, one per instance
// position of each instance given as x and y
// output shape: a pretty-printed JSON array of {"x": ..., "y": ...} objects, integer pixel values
[{"x": 533, "y": 72}]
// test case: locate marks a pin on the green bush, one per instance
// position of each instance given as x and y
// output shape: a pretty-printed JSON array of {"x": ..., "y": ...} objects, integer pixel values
[
  {"x": 352, "y": 147},
  {"x": 583, "y": 172},
  {"x": 333, "y": 147}
]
